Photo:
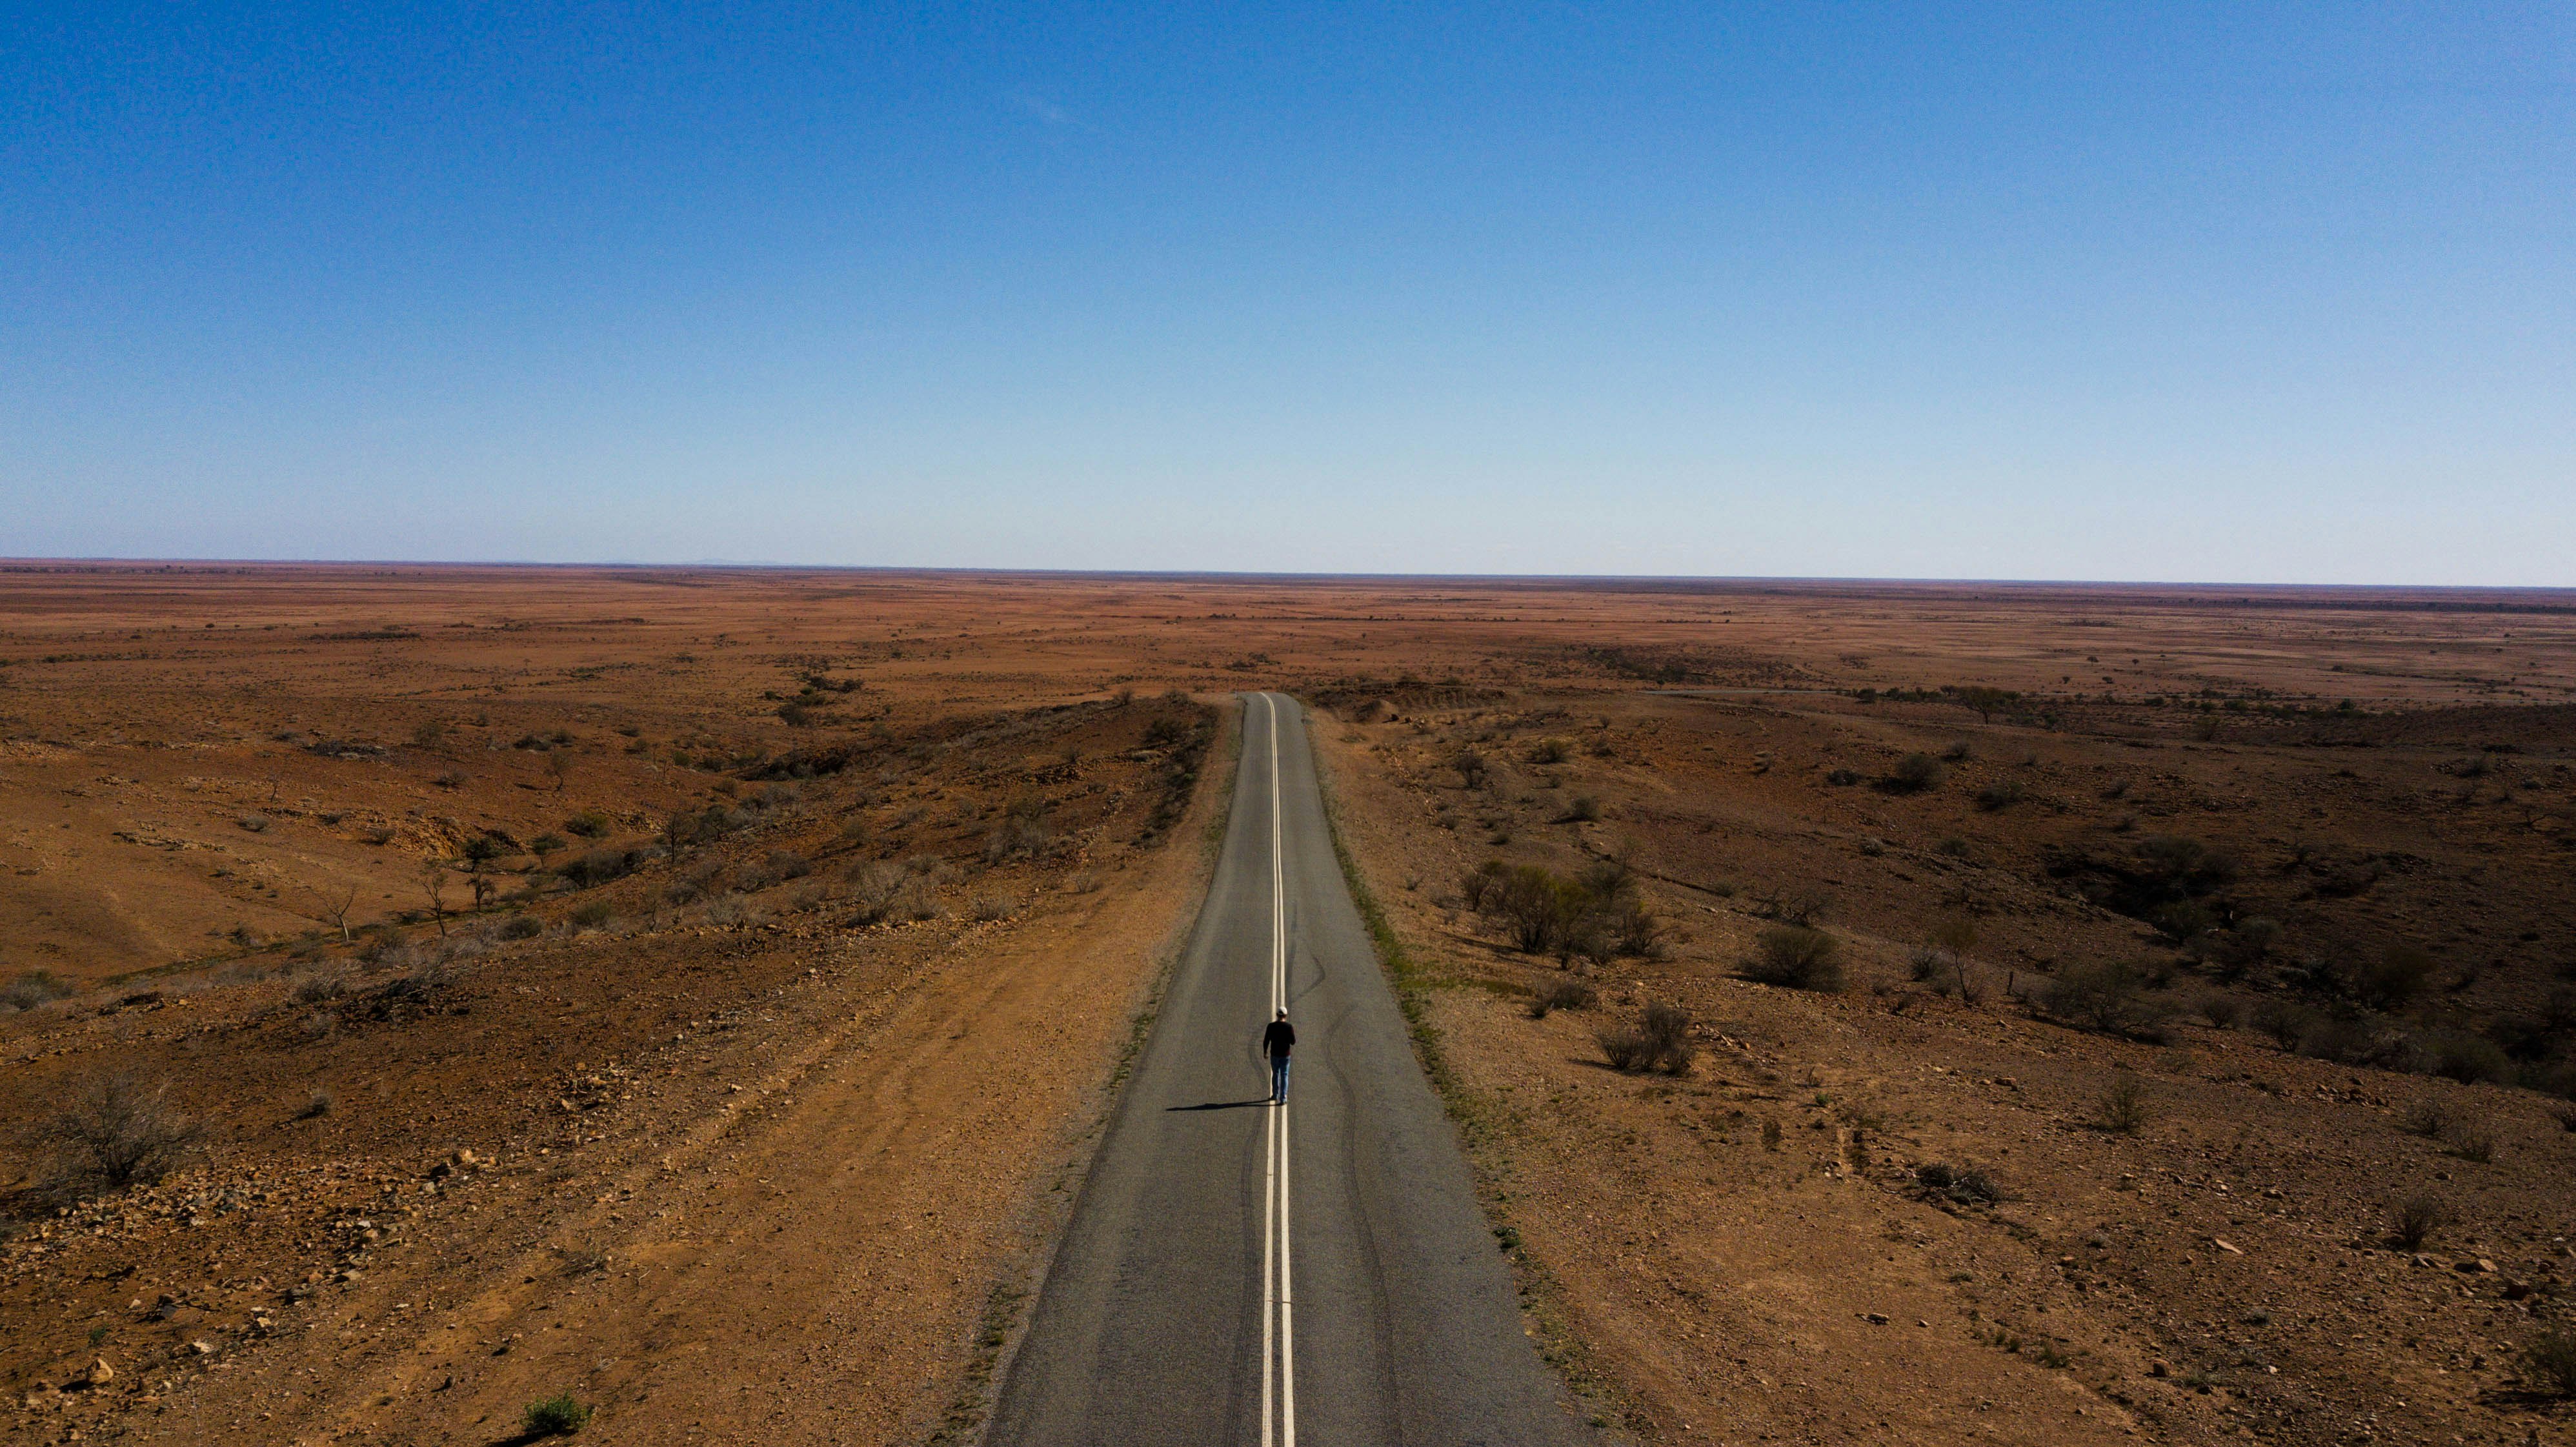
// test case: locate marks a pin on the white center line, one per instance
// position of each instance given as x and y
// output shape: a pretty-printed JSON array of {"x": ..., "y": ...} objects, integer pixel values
[{"x": 1274, "y": 1195}]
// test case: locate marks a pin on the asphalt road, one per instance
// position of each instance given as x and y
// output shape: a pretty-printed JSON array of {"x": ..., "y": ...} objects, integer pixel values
[{"x": 1237, "y": 1273}]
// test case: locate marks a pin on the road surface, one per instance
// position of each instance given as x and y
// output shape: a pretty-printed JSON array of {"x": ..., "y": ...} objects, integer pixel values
[{"x": 1241, "y": 1274}]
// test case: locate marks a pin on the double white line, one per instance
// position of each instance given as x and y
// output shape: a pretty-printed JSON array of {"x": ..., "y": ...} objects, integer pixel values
[{"x": 1275, "y": 1304}]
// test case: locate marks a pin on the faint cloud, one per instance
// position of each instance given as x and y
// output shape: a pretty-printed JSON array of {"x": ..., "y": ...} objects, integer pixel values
[{"x": 1046, "y": 112}]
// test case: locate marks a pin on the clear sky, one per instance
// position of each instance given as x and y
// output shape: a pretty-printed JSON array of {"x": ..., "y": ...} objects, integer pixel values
[{"x": 2244, "y": 292}]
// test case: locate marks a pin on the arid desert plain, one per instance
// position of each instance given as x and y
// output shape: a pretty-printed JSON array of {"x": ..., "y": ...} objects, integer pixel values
[{"x": 1873, "y": 1012}]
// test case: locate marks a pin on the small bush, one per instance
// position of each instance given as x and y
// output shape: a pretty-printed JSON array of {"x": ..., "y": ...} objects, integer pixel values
[
  {"x": 545, "y": 844},
  {"x": 556, "y": 1416},
  {"x": 522, "y": 927},
  {"x": 599, "y": 866},
  {"x": 2107, "y": 998},
  {"x": 319, "y": 1106},
  {"x": 2221, "y": 1011},
  {"x": 2123, "y": 1107},
  {"x": 2000, "y": 795},
  {"x": 2417, "y": 1218},
  {"x": 593, "y": 913},
  {"x": 320, "y": 989},
  {"x": 2471, "y": 1141},
  {"x": 2392, "y": 981},
  {"x": 1583, "y": 810},
  {"x": 1660, "y": 1040},
  {"x": 1017, "y": 836},
  {"x": 116, "y": 1132},
  {"x": 1964, "y": 1184},
  {"x": 2284, "y": 1023},
  {"x": 1082, "y": 881},
  {"x": 917, "y": 900},
  {"x": 2428, "y": 1118},
  {"x": 1797, "y": 957},
  {"x": 2466, "y": 1058},
  {"x": 1561, "y": 995},
  {"x": 589, "y": 824},
  {"x": 2550, "y": 1362},
  {"x": 1551, "y": 751},
  {"x": 873, "y": 891},
  {"x": 33, "y": 988},
  {"x": 990, "y": 907},
  {"x": 255, "y": 823},
  {"x": 1914, "y": 773}
]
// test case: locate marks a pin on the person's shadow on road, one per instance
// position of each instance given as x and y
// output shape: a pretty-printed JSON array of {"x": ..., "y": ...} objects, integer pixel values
[{"x": 1219, "y": 1105}]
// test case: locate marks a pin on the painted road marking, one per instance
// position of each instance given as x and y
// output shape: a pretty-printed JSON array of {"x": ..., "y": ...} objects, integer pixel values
[{"x": 1277, "y": 1301}]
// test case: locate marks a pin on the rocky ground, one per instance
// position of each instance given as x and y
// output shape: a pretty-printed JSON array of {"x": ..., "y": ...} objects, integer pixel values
[
  {"x": 797, "y": 1101},
  {"x": 1769, "y": 1246},
  {"x": 688, "y": 991}
]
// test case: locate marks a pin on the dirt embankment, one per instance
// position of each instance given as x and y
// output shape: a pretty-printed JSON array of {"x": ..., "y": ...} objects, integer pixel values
[
  {"x": 1880, "y": 1209},
  {"x": 760, "y": 1140}
]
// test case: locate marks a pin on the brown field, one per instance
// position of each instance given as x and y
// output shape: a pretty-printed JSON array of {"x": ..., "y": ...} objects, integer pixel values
[{"x": 771, "y": 938}]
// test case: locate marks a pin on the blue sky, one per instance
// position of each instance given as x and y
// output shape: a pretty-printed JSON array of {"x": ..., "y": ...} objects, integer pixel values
[{"x": 2226, "y": 292}]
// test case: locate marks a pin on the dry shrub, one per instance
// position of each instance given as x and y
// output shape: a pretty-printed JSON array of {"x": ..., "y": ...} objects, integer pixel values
[
  {"x": 2108, "y": 998},
  {"x": 1913, "y": 774},
  {"x": 990, "y": 907},
  {"x": 1797, "y": 957},
  {"x": 33, "y": 988},
  {"x": 2549, "y": 1361},
  {"x": 1561, "y": 995},
  {"x": 321, "y": 988},
  {"x": 1660, "y": 1040},
  {"x": 117, "y": 1131},
  {"x": 1966, "y": 1185},
  {"x": 2124, "y": 1108},
  {"x": 874, "y": 887},
  {"x": 1015, "y": 837},
  {"x": 2417, "y": 1218},
  {"x": 918, "y": 899}
]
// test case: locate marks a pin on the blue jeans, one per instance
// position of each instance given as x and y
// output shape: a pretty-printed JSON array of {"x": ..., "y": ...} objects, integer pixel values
[{"x": 1279, "y": 1078}]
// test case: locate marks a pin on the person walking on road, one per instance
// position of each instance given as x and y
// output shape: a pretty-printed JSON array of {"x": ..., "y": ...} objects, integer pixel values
[{"x": 1276, "y": 1042}]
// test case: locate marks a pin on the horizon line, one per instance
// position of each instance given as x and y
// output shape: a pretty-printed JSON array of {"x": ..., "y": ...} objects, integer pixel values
[{"x": 1285, "y": 575}]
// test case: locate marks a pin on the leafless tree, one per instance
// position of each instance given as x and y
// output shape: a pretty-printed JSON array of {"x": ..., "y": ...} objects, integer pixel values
[
  {"x": 433, "y": 883},
  {"x": 336, "y": 910}
]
